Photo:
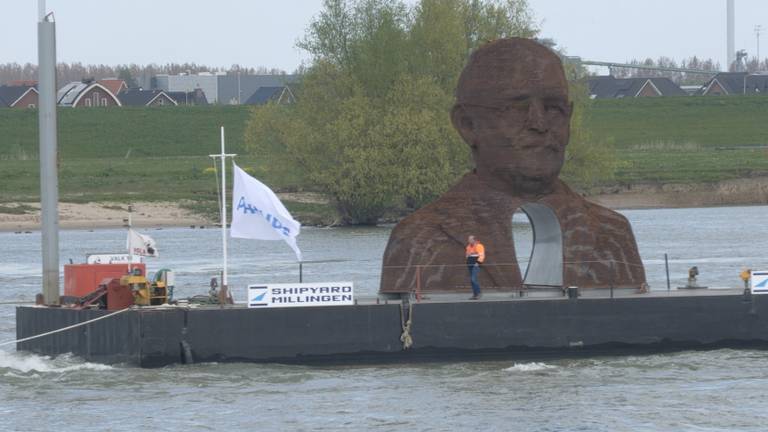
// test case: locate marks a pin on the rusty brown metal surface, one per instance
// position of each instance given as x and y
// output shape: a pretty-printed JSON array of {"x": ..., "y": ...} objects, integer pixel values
[{"x": 513, "y": 111}]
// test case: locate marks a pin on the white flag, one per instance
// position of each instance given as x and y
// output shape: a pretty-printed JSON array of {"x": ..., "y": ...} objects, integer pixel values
[
  {"x": 141, "y": 244},
  {"x": 258, "y": 214}
]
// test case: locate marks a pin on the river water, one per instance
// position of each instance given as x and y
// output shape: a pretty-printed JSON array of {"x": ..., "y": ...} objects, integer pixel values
[{"x": 701, "y": 391}]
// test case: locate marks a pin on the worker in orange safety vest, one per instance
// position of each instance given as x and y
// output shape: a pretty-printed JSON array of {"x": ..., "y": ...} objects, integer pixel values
[{"x": 475, "y": 254}]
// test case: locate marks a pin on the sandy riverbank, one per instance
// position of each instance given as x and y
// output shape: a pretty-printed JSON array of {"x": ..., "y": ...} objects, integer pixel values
[
  {"x": 752, "y": 191},
  {"x": 104, "y": 215},
  {"x": 111, "y": 215}
]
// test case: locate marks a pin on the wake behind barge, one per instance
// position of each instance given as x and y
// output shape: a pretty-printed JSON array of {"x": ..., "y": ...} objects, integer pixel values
[{"x": 442, "y": 328}]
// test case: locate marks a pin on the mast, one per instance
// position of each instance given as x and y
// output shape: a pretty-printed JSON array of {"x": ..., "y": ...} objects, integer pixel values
[
  {"x": 224, "y": 285},
  {"x": 49, "y": 181},
  {"x": 223, "y": 155}
]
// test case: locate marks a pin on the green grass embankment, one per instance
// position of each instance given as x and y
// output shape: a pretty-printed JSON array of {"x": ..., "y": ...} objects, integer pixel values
[
  {"x": 161, "y": 154},
  {"x": 138, "y": 154},
  {"x": 685, "y": 139},
  {"x": 95, "y": 133}
]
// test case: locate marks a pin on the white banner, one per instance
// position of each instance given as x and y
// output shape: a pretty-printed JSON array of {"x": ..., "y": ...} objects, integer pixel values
[
  {"x": 759, "y": 282},
  {"x": 141, "y": 244},
  {"x": 258, "y": 214},
  {"x": 301, "y": 294},
  {"x": 111, "y": 259}
]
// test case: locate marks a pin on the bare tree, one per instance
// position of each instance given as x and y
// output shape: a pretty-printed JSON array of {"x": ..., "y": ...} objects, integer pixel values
[
  {"x": 68, "y": 72},
  {"x": 667, "y": 62}
]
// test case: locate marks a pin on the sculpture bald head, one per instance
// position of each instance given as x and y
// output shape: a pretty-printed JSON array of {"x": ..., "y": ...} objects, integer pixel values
[{"x": 512, "y": 109}]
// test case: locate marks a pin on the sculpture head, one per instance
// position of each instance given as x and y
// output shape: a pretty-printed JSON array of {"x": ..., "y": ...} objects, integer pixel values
[{"x": 512, "y": 109}]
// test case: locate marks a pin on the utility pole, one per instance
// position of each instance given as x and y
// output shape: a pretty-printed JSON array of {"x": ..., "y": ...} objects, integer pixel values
[
  {"x": 49, "y": 176},
  {"x": 730, "y": 33}
]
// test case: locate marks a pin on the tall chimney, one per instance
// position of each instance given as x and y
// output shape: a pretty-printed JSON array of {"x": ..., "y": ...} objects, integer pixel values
[{"x": 731, "y": 54}]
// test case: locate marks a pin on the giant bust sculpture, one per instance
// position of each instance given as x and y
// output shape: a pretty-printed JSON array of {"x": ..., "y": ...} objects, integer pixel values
[{"x": 513, "y": 111}]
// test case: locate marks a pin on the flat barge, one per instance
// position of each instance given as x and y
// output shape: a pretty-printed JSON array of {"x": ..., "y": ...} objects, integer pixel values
[{"x": 441, "y": 328}]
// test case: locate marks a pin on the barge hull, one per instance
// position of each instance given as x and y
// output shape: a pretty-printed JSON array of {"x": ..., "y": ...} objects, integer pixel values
[{"x": 371, "y": 333}]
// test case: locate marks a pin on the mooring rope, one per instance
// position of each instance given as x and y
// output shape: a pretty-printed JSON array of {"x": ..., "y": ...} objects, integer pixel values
[
  {"x": 65, "y": 328},
  {"x": 406, "y": 337}
]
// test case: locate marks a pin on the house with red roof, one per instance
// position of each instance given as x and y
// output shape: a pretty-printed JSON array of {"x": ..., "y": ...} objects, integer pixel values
[
  {"x": 86, "y": 93},
  {"x": 115, "y": 85}
]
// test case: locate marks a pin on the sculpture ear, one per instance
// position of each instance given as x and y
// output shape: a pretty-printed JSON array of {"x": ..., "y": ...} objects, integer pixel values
[{"x": 463, "y": 123}]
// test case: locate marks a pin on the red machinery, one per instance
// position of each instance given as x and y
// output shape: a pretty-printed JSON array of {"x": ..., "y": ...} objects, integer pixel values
[
  {"x": 133, "y": 289},
  {"x": 111, "y": 294},
  {"x": 83, "y": 279}
]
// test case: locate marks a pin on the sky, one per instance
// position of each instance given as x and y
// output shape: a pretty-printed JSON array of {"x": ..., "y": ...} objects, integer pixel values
[{"x": 264, "y": 32}]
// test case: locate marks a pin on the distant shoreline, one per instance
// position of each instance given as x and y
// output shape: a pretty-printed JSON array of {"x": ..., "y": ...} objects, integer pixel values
[
  {"x": 86, "y": 216},
  {"x": 104, "y": 215},
  {"x": 736, "y": 192}
]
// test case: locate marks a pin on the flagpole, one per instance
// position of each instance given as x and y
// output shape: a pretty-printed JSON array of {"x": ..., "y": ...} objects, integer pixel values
[
  {"x": 223, "y": 155},
  {"x": 224, "y": 211}
]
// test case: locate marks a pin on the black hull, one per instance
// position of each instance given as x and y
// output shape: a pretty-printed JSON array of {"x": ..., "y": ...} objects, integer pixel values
[{"x": 441, "y": 331}]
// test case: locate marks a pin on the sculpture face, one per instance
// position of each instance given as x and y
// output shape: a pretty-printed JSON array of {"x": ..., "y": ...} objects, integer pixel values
[{"x": 514, "y": 113}]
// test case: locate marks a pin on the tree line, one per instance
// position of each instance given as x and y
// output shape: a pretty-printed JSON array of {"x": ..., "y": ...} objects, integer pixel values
[
  {"x": 134, "y": 74},
  {"x": 752, "y": 65}
]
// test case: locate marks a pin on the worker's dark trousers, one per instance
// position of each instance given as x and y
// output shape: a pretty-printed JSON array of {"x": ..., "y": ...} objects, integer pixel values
[{"x": 474, "y": 271}]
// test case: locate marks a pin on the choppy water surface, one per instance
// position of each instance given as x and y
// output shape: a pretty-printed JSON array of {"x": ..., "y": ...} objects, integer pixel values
[{"x": 702, "y": 391}]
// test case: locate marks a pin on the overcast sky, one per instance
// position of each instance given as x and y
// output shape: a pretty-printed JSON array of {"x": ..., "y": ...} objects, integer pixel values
[{"x": 264, "y": 32}]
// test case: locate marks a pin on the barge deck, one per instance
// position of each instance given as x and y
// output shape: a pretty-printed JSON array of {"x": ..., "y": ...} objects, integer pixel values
[{"x": 442, "y": 327}]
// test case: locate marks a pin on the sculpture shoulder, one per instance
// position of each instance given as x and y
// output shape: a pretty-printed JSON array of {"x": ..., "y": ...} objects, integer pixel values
[
  {"x": 422, "y": 224},
  {"x": 447, "y": 207},
  {"x": 408, "y": 239},
  {"x": 609, "y": 224},
  {"x": 575, "y": 204},
  {"x": 606, "y": 215},
  {"x": 430, "y": 228},
  {"x": 414, "y": 225}
]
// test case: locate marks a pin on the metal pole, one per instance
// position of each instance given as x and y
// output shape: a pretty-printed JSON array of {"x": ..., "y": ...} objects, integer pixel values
[
  {"x": 49, "y": 181},
  {"x": 223, "y": 156},
  {"x": 301, "y": 272},
  {"x": 224, "y": 209},
  {"x": 666, "y": 265}
]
